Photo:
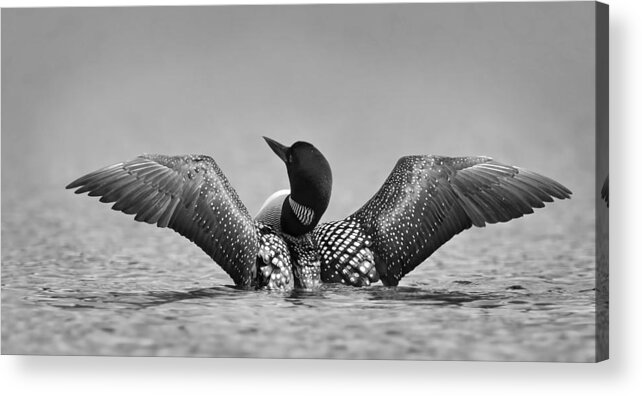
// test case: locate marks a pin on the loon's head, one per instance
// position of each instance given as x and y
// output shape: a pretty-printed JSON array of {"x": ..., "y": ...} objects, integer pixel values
[{"x": 310, "y": 186}]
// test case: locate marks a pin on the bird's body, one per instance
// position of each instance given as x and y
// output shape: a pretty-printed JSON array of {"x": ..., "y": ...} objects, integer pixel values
[{"x": 425, "y": 201}]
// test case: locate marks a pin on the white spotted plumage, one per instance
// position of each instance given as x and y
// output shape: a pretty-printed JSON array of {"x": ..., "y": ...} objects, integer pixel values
[
  {"x": 345, "y": 252},
  {"x": 191, "y": 195},
  {"x": 425, "y": 201}
]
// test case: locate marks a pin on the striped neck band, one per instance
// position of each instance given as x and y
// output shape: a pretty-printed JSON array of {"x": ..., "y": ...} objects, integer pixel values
[{"x": 304, "y": 214}]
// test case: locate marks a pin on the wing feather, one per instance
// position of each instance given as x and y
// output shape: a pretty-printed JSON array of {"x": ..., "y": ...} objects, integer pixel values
[
  {"x": 427, "y": 200},
  {"x": 188, "y": 194}
]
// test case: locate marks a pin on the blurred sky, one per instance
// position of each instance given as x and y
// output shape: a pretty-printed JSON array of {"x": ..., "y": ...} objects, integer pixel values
[{"x": 84, "y": 88}]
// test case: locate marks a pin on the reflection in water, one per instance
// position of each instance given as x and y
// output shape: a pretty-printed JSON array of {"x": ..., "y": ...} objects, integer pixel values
[
  {"x": 414, "y": 294},
  {"x": 340, "y": 294},
  {"x": 82, "y": 299}
]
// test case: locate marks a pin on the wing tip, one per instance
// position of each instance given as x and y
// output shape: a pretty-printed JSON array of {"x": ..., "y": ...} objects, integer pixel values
[
  {"x": 556, "y": 189},
  {"x": 76, "y": 183},
  {"x": 563, "y": 192}
]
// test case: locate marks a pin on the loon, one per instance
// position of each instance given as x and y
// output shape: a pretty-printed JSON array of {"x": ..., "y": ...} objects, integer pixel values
[{"x": 425, "y": 201}]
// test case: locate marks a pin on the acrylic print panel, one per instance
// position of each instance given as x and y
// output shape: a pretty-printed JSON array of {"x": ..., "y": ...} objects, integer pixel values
[{"x": 523, "y": 83}]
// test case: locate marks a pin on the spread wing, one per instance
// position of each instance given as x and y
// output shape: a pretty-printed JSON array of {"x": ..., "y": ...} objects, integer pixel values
[
  {"x": 427, "y": 200},
  {"x": 188, "y": 194}
]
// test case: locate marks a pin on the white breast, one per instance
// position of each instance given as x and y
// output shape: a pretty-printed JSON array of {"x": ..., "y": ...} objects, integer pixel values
[{"x": 270, "y": 212}]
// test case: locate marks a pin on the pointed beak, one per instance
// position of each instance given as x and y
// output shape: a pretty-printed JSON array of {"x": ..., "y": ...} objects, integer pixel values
[{"x": 278, "y": 148}]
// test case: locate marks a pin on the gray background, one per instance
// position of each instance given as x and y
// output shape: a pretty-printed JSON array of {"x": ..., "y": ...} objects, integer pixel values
[
  {"x": 83, "y": 88},
  {"x": 366, "y": 84}
]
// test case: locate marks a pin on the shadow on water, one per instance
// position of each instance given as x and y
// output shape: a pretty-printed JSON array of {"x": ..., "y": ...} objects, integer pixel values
[
  {"x": 433, "y": 297},
  {"x": 338, "y": 294},
  {"x": 82, "y": 299},
  {"x": 382, "y": 296}
]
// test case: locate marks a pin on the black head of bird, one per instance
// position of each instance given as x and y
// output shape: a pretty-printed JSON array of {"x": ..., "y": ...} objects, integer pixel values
[{"x": 310, "y": 186}]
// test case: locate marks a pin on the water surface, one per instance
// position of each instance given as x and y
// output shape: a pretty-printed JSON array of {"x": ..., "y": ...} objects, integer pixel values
[{"x": 80, "y": 279}]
